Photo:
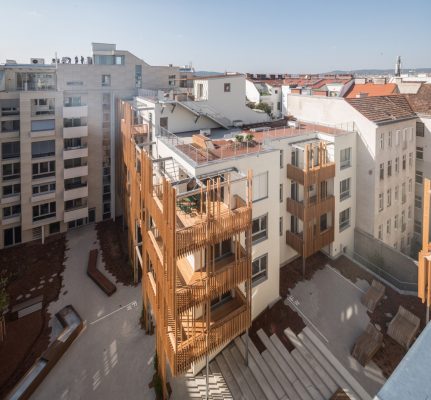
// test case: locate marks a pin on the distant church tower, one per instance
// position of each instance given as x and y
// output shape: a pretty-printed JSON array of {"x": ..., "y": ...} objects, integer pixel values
[{"x": 398, "y": 67}]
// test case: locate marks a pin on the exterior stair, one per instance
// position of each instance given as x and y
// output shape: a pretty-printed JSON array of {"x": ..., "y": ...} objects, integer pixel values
[{"x": 309, "y": 372}]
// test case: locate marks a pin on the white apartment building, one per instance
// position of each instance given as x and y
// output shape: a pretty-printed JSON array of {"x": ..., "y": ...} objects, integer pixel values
[
  {"x": 385, "y": 151},
  {"x": 267, "y": 92},
  {"x": 57, "y": 135},
  {"x": 280, "y": 203}
]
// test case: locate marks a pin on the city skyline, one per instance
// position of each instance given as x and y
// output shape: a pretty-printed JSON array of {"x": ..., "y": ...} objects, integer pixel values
[{"x": 288, "y": 37}]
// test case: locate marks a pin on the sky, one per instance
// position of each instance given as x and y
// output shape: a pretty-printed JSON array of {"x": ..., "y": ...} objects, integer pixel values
[{"x": 266, "y": 36}]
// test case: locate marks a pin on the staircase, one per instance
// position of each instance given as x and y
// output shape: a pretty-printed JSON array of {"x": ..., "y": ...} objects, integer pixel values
[{"x": 309, "y": 372}]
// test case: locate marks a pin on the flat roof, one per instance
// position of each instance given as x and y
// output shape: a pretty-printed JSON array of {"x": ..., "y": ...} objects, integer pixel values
[{"x": 411, "y": 379}]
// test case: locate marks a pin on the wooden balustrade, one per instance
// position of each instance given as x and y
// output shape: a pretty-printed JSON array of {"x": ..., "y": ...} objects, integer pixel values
[{"x": 192, "y": 238}]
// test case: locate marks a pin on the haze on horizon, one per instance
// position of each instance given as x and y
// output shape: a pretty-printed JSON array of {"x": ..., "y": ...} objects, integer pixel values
[{"x": 247, "y": 36}]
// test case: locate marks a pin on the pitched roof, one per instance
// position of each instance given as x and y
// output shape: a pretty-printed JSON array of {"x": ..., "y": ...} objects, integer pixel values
[
  {"x": 371, "y": 89},
  {"x": 383, "y": 108},
  {"x": 421, "y": 101}
]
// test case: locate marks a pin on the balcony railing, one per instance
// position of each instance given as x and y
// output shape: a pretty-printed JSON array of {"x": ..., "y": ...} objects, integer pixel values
[
  {"x": 313, "y": 209},
  {"x": 312, "y": 244},
  {"x": 314, "y": 175}
]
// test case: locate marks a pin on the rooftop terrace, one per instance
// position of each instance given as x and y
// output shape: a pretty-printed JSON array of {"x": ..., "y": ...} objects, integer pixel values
[{"x": 227, "y": 144}]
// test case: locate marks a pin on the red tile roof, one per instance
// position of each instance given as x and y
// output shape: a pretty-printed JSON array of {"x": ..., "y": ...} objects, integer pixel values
[
  {"x": 372, "y": 89},
  {"x": 383, "y": 108},
  {"x": 421, "y": 101}
]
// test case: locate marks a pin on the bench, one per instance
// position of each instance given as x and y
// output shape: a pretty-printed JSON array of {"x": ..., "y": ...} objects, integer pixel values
[
  {"x": 367, "y": 345},
  {"x": 99, "y": 279},
  {"x": 373, "y": 295},
  {"x": 72, "y": 324},
  {"x": 26, "y": 307},
  {"x": 403, "y": 327}
]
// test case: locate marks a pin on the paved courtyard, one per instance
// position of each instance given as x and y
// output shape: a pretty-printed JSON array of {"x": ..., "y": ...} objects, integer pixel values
[
  {"x": 112, "y": 358},
  {"x": 331, "y": 306}
]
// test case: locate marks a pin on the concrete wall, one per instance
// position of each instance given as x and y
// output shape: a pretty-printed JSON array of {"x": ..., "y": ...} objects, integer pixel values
[{"x": 251, "y": 92}]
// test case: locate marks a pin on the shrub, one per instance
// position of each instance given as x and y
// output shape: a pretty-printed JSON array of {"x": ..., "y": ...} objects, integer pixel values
[
  {"x": 249, "y": 137},
  {"x": 239, "y": 138}
]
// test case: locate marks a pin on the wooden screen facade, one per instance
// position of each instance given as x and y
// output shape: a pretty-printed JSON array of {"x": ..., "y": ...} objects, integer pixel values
[
  {"x": 195, "y": 262},
  {"x": 424, "y": 261},
  {"x": 317, "y": 171}
]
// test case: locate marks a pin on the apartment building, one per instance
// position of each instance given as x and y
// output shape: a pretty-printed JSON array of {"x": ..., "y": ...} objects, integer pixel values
[
  {"x": 57, "y": 134},
  {"x": 385, "y": 151},
  {"x": 420, "y": 101},
  {"x": 220, "y": 216}
]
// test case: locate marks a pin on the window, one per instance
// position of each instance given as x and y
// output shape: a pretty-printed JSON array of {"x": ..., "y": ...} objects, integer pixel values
[
  {"x": 42, "y": 107},
  {"x": 75, "y": 203},
  {"x": 43, "y": 169},
  {"x": 403, "y": 221},
  {"x": 12, "y": 236},
  {"x": 382, "y": 141},
  {"x": 259, "y": 270},
  {"x": 138, "y": 76},
  {"x": 388, "y": 226},
  {"x": 260, "y": 186},
  {"x": 106, "y": 80},
  {"x": 410, "y": 160},
  {"x": 420, "y": 129},
  {"x": 45, "y": 148},
  {"x": 281, "y": 159},
  {"x": 418, "y": 201},
  {"x": 10, "y": 150},
  {"x": 380, "y": 232},
  {"x": 74, "y": 163},
  {"x": 43, "y": 211},
  {"x": 397, "y": 164},
  {"x": 410, "y": 134},
  {"x": 280, "y": 226},
  {"x": 389, "y": 168},
  {"x": 11, "y": 211},
  {"x": 73, "y": 101},
  {"x": 43, "y": 188},
  {"x": 344, "y": 189},
  {"x": 382, "y": 171},
  {"x": 259, "y": 229},
  {"x": 109, "y": 60},
  {"x": 410, "y": 185},
  {"x": 403, "y": 193},
  {"x": 281, "y": 193},
  {"x": 381, "y": 201},
  {"x": 344, "y": 221},
  {"x": 74, "y": 143},
  {"x": 409, "y": 212},
  {"x": 72, "y": 122},
  {"x": 418, "y": 226},
  {"x": 345, "y": 158},
  {"x": 10, "y": 126},
  {"x": 43, "y": 125},
  {"x": 54, "y": 228},
  {"x": 171, "y": 80},
  {"x": 404, "y": 162},
  {"x": 11, "y": 171},
  {"x": 388, "y": 197},
  {"x": 396, "y": 222},
  {"x": 419, "y": 177},
  {"x": 390, "y": 139},
  {"x": 227, "y": 87},
  {"x": 11, "y": 190},
  {"x": 420, "y": 153},
  {"x": 397, "y": 138},
  {"x": 323, "y": 222},
  {"x": 396, "y": 193}
]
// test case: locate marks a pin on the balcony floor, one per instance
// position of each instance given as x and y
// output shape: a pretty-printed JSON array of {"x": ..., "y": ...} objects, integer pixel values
[{"x": 193, "y": 215}]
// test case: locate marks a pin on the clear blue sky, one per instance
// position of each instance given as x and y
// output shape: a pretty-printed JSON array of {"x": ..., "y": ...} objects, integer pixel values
[{"x": 225, "y": 35}]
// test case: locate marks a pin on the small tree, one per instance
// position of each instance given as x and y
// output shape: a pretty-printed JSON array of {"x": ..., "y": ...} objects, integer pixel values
[
  {"x": 264, "y": 107},
  {"x": 249, "y": 137},
  {"x": 239, "y": 138},
  {"x": 4, "y": 304}
]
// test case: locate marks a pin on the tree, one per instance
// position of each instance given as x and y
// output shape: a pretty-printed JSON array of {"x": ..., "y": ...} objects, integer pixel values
[{"x": 264, "y": 107}]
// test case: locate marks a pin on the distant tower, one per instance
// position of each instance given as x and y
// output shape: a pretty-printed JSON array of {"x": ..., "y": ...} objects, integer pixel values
[{"x": 398, "y": 66}]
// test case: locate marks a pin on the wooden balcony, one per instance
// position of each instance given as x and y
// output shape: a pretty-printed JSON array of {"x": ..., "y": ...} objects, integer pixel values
[
  {"x": 311, "y": 176},
  {"x": 312, "y": 244},
  {"x": 226, "y": 322},
  {"x": 192, "y": 286},
  {"x": 201, "y": 231},
  {"x": 312, "y": 210}
]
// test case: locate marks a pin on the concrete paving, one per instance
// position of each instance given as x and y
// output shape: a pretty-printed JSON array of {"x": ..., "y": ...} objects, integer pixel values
[
  {"x": 112, "y": 358},
  {"x": 331, "y": 306}
]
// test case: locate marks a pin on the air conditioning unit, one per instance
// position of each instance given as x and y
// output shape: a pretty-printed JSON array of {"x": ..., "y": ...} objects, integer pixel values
[
  {"x": 11, "y": 62},
  {"x": 37, "y": 61}
]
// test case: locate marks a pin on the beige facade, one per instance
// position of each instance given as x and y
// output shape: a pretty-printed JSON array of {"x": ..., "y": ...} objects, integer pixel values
[{"x": 57, "y": 135}]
